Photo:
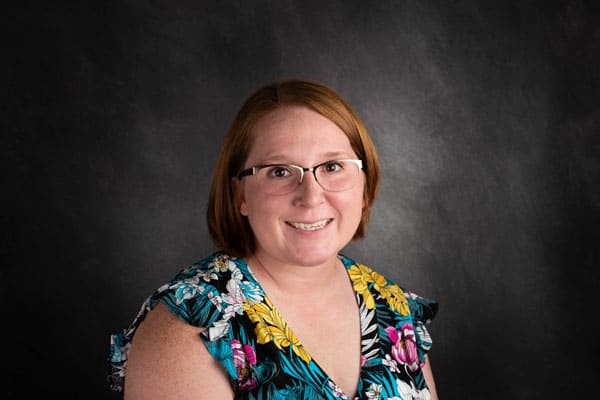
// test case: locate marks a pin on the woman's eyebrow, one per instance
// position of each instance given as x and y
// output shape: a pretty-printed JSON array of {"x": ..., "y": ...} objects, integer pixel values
[{"x": 277, "y": 158}]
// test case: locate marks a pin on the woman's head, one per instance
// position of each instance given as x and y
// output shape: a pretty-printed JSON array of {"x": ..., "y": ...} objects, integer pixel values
[{"x": 231, "y": 230}]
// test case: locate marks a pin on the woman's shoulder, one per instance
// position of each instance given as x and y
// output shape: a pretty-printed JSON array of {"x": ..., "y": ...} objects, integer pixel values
[
  {"x": 210, "y": 270},
  {"x": 378, "y": 287},
  {"x": 196, "y": 297},
  {"x": 197, "y": 293}
]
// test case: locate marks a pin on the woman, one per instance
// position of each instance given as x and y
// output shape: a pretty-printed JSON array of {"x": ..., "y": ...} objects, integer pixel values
[{"x": 278, "y": 311}]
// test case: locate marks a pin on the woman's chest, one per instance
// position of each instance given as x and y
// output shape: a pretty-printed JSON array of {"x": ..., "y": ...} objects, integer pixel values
[{"x": 330, "y": 332}]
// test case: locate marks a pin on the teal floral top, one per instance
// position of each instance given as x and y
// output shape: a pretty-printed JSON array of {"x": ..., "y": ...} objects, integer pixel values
[{"x": 262, "y": 356}]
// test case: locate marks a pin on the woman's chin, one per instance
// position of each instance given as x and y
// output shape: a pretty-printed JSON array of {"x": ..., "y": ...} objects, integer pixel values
[{"x": 314, "y": 256}]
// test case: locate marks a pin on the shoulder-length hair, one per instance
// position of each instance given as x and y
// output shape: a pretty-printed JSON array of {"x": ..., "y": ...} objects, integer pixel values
[{"x": 229, "y": 229}]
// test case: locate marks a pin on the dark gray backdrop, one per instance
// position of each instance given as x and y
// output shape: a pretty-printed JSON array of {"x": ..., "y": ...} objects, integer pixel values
[{"x": 485, "y": 114}]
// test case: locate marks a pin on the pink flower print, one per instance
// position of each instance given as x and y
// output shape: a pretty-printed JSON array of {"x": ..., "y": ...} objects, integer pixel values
[
  {"x": 243, "y": 359},
  {"x": 363, "y": 360},
  {"x": 234, "y": 298},
  {"x": 338, "y": 393},
  {"x": 404, "y": 345},
  {"x": 216, "y": 300}
]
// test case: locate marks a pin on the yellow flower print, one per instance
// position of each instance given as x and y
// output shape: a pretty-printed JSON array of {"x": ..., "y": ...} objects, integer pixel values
[
  {"x": 263, "y": 335},
  {"x": 395, "y": 298},
  {"x": 362, "y": 276},
  {"x": 220, "y": 264},
  {"x": 271, "y": 327}
]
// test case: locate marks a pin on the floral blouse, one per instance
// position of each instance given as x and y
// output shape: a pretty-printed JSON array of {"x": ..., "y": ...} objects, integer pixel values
[{"x": 263, "y": 357}]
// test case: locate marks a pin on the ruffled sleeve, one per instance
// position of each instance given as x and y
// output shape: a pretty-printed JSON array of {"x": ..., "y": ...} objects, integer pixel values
[
  {"x": 195, "y": 296},
  {"x": 423, "y": 311}
]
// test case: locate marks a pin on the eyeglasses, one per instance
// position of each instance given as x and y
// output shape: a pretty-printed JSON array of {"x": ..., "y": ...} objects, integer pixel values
[{"x": 279, "y": 179}]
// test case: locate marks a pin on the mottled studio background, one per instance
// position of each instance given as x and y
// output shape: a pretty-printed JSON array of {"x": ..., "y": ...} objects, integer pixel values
[{"x": 486, "y": 115}]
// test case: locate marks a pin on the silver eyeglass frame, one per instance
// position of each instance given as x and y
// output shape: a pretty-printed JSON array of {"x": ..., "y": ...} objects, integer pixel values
[{"x": 254, "y": 170}]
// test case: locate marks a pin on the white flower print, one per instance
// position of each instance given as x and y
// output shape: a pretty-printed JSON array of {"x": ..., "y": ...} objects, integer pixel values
[
  {"x": 424, "y": 337},
  {"x": 253, "y": 293},
  {"x": 208, "y": 276},
  {"x": 374, "y": 392},
  {"x": 218, "y": 330},
  {"x": 187, "y": 289},
  {"x": 234, "y": 298},
  {"x": 368, "y": 348},
  {"x": 236, "y": 274},
  {"x": 238, "y": 291},
  {"x": 410, "y": 392},
  {"x": 390, "y": 363},
  {"x": 220, "y": 264},
  {"x": 216, "y": 300}
]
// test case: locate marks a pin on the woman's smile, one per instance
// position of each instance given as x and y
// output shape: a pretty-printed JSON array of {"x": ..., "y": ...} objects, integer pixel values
[{"x": 306, "y": 226}]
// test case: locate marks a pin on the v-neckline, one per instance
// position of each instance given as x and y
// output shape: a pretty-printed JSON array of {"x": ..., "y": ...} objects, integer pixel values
[{"x": 360, "y": 302}]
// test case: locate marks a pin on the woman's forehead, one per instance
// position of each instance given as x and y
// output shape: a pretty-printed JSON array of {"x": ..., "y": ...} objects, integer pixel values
[{"x": 291, "y": 131}]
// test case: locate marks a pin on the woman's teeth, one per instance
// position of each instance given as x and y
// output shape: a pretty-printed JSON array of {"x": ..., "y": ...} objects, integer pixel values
[{"x": 309, "y": 227}]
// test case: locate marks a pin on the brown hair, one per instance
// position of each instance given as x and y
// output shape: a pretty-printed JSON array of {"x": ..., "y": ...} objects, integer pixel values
[{"x": 230, "y": 230}]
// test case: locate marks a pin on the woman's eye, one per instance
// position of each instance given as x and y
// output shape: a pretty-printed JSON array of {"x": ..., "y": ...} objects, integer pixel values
[
  {"x": 333, "y": 166},
  {"x": 279, "y": 172}
]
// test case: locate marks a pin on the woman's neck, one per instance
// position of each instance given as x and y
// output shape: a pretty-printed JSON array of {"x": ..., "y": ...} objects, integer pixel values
[{"x": 290, "y": 279}]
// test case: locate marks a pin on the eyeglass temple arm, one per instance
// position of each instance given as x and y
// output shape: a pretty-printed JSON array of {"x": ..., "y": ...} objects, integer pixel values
[{"x": 247, "y": 172}]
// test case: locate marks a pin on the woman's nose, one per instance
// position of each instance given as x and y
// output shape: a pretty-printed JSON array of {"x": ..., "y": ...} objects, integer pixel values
[{"x": 309, "y": 192}]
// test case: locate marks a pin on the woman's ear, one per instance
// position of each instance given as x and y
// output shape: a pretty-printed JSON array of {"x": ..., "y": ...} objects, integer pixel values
[{"x": 238, "y": 194}]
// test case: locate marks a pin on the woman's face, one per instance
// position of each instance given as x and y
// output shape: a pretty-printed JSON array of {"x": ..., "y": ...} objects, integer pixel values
[{"x": 309, "y": 225}]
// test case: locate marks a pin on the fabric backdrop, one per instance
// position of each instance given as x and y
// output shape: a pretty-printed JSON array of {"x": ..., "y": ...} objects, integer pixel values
[{"x": 486, "y": 116}]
